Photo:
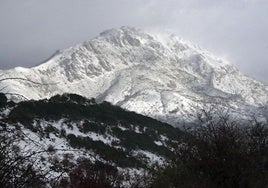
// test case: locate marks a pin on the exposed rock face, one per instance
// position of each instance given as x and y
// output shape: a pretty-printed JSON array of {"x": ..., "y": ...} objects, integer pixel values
[{"x": 158, "y": 75}]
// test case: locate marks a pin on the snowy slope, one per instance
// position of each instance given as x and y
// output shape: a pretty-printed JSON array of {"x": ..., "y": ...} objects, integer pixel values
[
  {"x": 158, "y": 75},
  {"x": 68, "y": 129}
]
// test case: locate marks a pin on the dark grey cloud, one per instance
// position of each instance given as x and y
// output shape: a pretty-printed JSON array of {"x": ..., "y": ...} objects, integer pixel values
[{"x": 31, "y": 30}]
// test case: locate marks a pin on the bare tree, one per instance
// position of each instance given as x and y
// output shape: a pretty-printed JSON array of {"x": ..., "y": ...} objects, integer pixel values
[
  {"x": 219, "y": 153},
  {"x": 17, "y": 167}
]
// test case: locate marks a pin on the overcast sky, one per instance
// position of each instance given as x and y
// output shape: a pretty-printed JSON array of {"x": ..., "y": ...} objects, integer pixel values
[{"x": 32, "y": 30}]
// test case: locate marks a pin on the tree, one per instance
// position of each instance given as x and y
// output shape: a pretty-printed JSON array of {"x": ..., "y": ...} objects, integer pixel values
[
  {"x": 17, "y": 169},
  {"x": 219, "y": 154},
  {"x": 94, "y": 175}
]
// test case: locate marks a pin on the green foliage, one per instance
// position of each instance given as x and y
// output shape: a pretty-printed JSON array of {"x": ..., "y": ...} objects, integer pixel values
[
  {"x": 3, "y": 100},
  {"x": 108, "y": 153},
  {"x": 217, "y": 153},
  {"x": 136, "y": 132},
  {"x": 50, "y": 129},
  {"x": 71, "y": 98},
  {"x": 132, "y": 140},
  {"x": 76, "y": 107},
  {"x": 101, "y": 118},
  {"x": 93, "y": 127}
]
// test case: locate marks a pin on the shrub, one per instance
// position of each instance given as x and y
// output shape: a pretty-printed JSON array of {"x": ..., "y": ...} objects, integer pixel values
[
  {"x": 220, "y": 154},
  {"x": 97, "y": 175}
]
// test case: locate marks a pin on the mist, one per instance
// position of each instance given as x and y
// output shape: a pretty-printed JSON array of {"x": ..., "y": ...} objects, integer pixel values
[{"x": 32, "y": 30}]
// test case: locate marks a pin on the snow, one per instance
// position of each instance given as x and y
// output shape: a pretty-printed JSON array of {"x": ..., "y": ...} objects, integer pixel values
[
  {"x": 154, "y": 74},
  {"x": 106, "y": 139},
  {"x": 158, "y": 143},
  {"x": 38, "y": 142},
  {"x": 122, "y": 128},
  {"x": 163, "y": 138},
  {"x": 152, "y": 158}
]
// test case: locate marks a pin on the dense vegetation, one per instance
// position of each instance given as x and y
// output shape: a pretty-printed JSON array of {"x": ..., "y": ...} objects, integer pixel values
[
  {"x": 136, "y": 132},
  {"x": 220, "y": 154},
  {"x": 217, "y": 152}
]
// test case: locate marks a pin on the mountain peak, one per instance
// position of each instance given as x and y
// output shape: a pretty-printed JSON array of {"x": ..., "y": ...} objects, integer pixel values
[
  {"x": 122, "y": 29},
  {"x": 152, "y": 73}
]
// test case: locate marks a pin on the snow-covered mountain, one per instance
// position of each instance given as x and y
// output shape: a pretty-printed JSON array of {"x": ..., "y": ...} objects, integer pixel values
[{"x": 158, "y": 75}]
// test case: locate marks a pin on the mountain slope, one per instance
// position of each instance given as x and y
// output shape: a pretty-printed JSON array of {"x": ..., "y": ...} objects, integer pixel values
[
  {"x": 67, "y": 129},
  {"x": 158, "y": 75}
]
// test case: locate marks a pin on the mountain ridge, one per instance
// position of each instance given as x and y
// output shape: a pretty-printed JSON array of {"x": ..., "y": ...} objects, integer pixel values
[
  {"x": 158, "y": 75},
  {"x": 60, "y": 132}
]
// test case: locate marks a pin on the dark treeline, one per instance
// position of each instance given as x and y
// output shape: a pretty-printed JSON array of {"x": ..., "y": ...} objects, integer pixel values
[
  {"x": 218, "y": 152},
  {"x": 221, "y": 153}
]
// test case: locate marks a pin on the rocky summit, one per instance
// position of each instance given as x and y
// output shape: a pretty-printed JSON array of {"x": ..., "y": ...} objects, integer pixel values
[{"x": 154, "y": 74}]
